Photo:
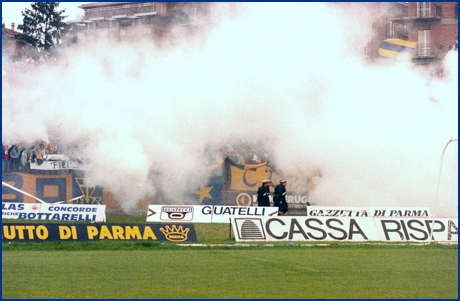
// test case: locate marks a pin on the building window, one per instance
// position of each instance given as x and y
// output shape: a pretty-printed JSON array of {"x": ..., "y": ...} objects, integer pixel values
[
  {"x": 146, "y": 20},
  {"x": 126, "y": 10},
  {"x": 117, "y": 11},
  {"x": 79, "y": 26},
  {"x": 158, "y": 7},
  {"x": 106, "y": 12},
  {"x": 391, "y": 29},
  {"x": 125, "y": 23},
  {"x": 403, "y": 32},
  {"x": 423, "y": 9},
  {"x": 194, "y": 12},
  {"x": 424, "y": 42},
  {"x": 147, "y": 8},
  {"x": 102, "y": 24},
  {"x": 207, "y": 9}
]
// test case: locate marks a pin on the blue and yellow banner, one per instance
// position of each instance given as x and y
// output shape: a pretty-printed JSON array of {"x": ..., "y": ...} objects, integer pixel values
[
  {"x": 50, "y": 189},
  {"x": 395, "y": 47},
  {"x": 237, "y": 184}
]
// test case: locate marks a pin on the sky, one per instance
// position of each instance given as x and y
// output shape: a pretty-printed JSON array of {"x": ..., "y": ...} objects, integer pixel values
[
  {"x": 11, "y": 11},
  {"x": 376, "y": 131}
]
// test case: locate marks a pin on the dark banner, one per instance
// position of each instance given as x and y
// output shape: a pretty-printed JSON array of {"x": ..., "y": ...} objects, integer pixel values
[
  {"x": 50, "y": 188},
  {"x": 41, "y": 232}
]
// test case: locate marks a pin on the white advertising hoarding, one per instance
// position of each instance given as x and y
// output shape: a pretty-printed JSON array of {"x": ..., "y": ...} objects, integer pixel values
[
  {"x": 179, "y": 213},
  {"x": 56, "y": 165},
  {"x": 58, "y": 212},
  {"x": 399, "y": 211},
  {"x": 359, "y": 229},
  {"x": 339, "y": 211},
  {"x": 222, "y": 214},
  {"x": 204, "y": 213}
]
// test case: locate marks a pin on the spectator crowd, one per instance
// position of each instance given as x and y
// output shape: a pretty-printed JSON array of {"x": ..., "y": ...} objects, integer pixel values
[{"x": 19, "y": 157}]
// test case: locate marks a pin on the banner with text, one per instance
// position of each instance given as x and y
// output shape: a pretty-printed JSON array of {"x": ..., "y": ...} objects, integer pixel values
[
  {"x": 338, "y": 211},
  {"x": 57, "y": 165},
  {"x": 50, "y": 188},
  {"x": 296, "y": 201},
  {"x": 204, "y": 214},
  {"x": 56, "y": 212},
  {"x": 41, "y": 232},
  {"x": 359, "y": 229}
]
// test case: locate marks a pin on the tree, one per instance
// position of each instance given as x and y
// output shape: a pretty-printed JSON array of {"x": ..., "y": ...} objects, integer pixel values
[{"x": 43, "y": 25}]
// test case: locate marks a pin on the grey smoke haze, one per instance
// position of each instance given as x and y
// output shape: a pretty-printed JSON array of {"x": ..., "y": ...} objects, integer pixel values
[{"x": 376, "y": 131}]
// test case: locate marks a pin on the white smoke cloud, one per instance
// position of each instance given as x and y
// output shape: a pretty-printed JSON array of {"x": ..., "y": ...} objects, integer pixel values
[{"x": 375, "y": 131}]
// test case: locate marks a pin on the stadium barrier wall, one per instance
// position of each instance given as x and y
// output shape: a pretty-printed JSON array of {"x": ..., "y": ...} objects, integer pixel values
[
  {"x": 341, "y": 211},
  {"x": 44, "y": 232},
  {"x": 204, "y": 213},
  {"x": 359, "y": 229},
  {"x": 55, "y": 212}
]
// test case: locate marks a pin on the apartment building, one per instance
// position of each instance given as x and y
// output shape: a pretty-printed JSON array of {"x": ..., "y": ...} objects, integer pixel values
[
  {"x": 13, "y": 45},
  {"x": 433, "y": 25},
  {"x": 137, "y": 21}
]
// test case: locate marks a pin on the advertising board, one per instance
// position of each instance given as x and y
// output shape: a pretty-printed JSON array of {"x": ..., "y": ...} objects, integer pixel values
[
  {"x": 204, "y": 214},
  {"x": 55, "y": 212},
  {"x": 359, "y": 229}
]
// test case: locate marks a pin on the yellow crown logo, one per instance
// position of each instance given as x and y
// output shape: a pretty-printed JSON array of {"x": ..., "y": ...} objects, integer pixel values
[{"x": 175, "y": 234}]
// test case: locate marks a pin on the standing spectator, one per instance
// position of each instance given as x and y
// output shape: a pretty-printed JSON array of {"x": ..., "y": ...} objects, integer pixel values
[
  {"x": 35, "y": 155},
  {"x": 263, "y": 193},
  {"x": 239, "y": 155},
  {"x": 42, "y": 150},
  {"x": 265, "y": 157},
  {"x": 279, "y": 197},
  {"x": 20, "y": 151},
  {"x": 75, "y": 155},
  {"x": 241, "y": 159},
  {"x": 5, "y": 159},
  {"x": 32, "y": 154},
  {"x": 14, "y": 158},
  {"x": 32, "y": 151},
  {"x": 255, "y": 159},
  {"x": 24, "y": 164},
  {"x": 53, "y": 148}
]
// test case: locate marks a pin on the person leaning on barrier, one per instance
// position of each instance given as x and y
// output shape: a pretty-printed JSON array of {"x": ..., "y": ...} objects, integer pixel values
[
  {"x": 5, "y": 159},
  {"x": 14, "y": 153},
  {"x": 262, "y": 194},
  {"x": 279, "y": 197}
]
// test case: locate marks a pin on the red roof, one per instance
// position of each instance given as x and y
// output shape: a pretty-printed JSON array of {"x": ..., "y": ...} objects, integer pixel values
[{"x": 10, "y": 31}]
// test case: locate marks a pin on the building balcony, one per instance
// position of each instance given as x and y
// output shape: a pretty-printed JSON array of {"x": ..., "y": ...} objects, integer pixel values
[
  {"x": 425, "y": 14},
  {"x": 426, "y": 53},
  {"x": 432, "y": 12}
]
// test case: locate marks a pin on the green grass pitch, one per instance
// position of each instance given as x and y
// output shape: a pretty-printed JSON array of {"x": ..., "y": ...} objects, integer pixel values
[{"x": 111, "y": 269}]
